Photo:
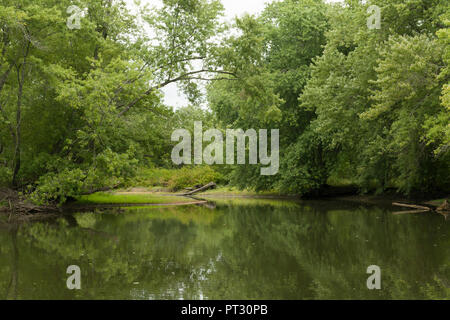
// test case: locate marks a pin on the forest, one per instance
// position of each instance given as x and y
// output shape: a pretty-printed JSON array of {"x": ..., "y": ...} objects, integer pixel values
[{"x": 82, "y": 108}]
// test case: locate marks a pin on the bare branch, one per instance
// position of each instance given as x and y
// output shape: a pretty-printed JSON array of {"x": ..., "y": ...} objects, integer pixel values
[{"x": 186, "y": 76}]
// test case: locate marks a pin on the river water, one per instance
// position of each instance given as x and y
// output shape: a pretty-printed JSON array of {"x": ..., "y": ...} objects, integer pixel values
[{"x": 230, "y": 249}]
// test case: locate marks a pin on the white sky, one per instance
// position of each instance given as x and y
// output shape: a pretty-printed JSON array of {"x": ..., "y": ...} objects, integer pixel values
[{"x": 233, "y": 8}]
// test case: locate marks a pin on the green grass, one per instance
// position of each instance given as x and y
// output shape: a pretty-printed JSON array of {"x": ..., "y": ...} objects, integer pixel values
[
  {"x": 111, "y": 198},
  {"x": 340, "y": 182}
]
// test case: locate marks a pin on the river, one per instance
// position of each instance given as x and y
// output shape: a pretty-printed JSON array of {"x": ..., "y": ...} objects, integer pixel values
[{"x": 230, "y": 249}]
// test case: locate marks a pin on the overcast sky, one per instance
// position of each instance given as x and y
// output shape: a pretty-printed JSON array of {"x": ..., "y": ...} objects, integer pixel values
[{"x": 233, "y": 8}]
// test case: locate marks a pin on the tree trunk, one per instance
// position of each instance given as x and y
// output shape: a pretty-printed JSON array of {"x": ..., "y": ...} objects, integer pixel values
[
  {"x": 20, "y": 75},
  {"x": 20, "y": 79},
  {"x": 211, "y": 185}
]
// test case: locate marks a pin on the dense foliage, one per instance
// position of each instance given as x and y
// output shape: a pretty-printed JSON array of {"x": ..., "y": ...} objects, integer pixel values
[
  {"x": 367, "y": 106},
  {"x": 82, "y": 108}
]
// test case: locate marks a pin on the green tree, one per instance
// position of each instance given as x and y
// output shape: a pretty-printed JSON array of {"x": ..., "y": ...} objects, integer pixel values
[
  {"x": 271, "y": 58},
  {"x": 81, "y": 108}
]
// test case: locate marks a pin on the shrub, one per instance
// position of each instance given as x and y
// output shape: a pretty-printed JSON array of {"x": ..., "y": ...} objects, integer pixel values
[{"x": 177, "y": 179}]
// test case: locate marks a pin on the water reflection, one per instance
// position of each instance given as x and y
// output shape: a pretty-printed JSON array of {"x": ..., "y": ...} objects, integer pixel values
[{"x": 246, "y": 249}]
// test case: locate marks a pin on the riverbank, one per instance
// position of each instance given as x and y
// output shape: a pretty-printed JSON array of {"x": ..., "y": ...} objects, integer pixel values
[
  {"x": 11, "y": 201},
  {"x": 161, "y": 196},
  {"x": 132, "y": 197}
]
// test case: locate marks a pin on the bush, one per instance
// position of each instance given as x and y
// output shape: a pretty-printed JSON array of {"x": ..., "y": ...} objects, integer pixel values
[
  {"x": 188, "y": 177},
  {"x": 58, "y": 186},
  {"x": 110, "y": 169},
  {"x": 177, "y": 179}
]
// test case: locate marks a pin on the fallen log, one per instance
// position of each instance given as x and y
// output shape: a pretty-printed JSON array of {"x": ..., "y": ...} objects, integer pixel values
[
  {"x": 210, "y": 185},
  {"x": 413, "y": 206},
  {"x": 444, "y": 207}
]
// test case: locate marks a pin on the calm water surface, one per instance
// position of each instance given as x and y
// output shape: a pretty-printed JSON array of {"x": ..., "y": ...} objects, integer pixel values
[{"x": 241, "y": 249}]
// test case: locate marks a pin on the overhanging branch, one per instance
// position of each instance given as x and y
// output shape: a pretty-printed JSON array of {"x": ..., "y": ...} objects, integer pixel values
[{"x": 186, "y": 76}]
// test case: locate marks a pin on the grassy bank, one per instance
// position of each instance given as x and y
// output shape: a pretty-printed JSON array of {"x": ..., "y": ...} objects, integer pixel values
[
  {"x": 174, "y": 180},
  {"x": 122, "y": 198}
]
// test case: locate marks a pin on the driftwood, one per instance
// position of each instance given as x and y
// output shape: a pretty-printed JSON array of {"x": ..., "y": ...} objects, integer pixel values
[
  {"x": 412, "y": 206},
  {"x": 210, "y": 185},
  {"x": 444, "y": 207},
  {"x": 197, "y": 186},
  {"x": 417, "y": 208}
]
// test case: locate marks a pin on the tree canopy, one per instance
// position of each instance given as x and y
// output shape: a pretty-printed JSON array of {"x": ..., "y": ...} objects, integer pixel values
[{"x": 82, "y": 108}]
